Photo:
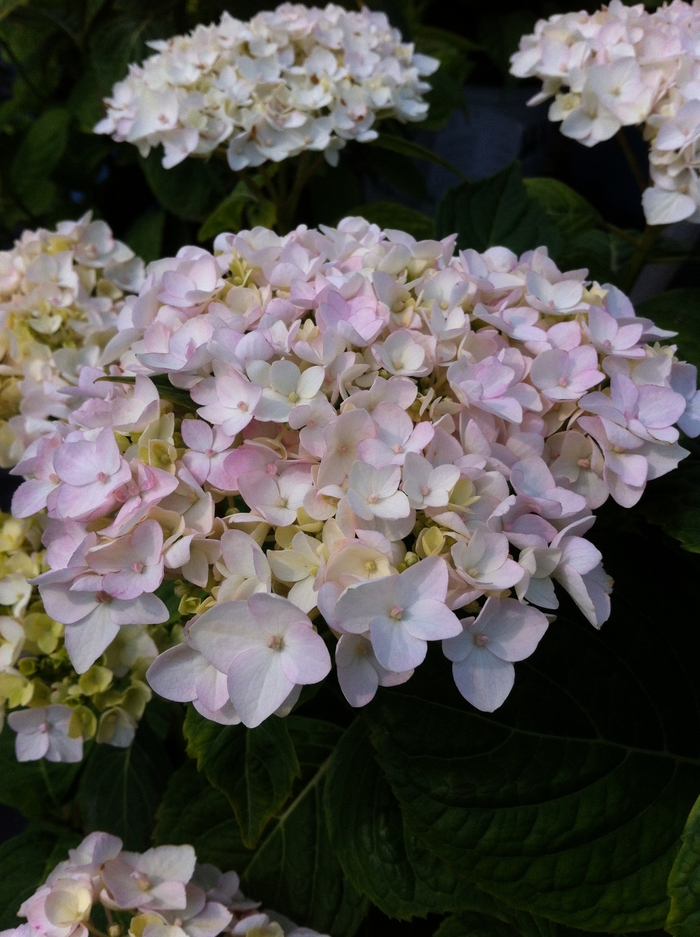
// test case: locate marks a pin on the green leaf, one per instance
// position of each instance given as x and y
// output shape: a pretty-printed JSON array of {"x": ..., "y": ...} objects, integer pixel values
[
  {"x": 384, "y": 861},
  {"x": 569, "y": 801},
  {"x": 294, "y": 869},
  {"x": 145, "y": 236},
  {"x": 37, "y": 157},
  {"x": 568, "y": 211},
  {"x": 673, "y": 501},
  {"x": 228, "y": 216},
  {"x": 192, "y": 811},
  {"x": 254, "y": 768},
  {"x": 34, "y": 787},
  {"x": 189, "y": 190},
  {"x": 120, "y": 39},
  {"x": 25, "y": 861},
  {"x": 9, "y": 6},
  {"x": 684, "y": 881},
  {"x": 409, "y": 148},
  {"x": 262, "y": 213},
  {"x": 678, "y": 310},
  {"x": 604, "y": 253},
  {"x": 496, "y": 212},
  {"x": 393, "y": 215},
  {"x": 121, "y": 788}
]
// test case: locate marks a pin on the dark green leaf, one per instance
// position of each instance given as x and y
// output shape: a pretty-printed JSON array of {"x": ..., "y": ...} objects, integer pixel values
[
  {"x": 192, "y": 811},
  {"x": 383, "y": 861},
  {"x": 496, "y": 211},
  {"x": 409, "y": 148},
  {"x": 9, "y": 6},
  {"x": 254, "y": 768},
  {"x": 34, "y": 787},
  {"x": 37, "y": 157},
  {"x": 145, "y": 236},
  {"x": 25, "y": 861},
  {"x": 120, "y": 788},
  {"x": 119, "y": 40},
  {"x": 189, "y": 190},
  {"x": 294, "y": 869},
  {"x": 684, "y": 881},
  {"x": 568, "y": 211},
  {"x": 393, "y": 215},
  {"x": 673, "y": 501},
  {"x": 603, "y": 253},
  {"x": 678, "y": 310},
  {"x": 569, "y": 801},
  {"x": 228, "y": 216}
]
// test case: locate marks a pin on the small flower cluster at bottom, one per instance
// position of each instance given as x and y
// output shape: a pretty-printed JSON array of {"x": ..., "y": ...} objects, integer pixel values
[{"x": 165, "y": 890}]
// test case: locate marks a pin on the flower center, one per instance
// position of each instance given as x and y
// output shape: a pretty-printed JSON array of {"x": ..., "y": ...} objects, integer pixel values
[
  {"x": 481, "y": 640},
  {"x": 275, "y": 642},
  {"x": 396, "y": 613}
]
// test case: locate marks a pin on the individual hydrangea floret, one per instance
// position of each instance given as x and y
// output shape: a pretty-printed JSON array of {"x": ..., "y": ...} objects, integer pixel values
[{"x": 291, "y": 79}]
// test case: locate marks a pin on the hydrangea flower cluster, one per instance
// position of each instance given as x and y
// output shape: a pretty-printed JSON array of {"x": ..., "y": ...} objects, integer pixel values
[
  {"x": 54, "y": 708},
  {"x": 348, "y": 438},
  {"x": 292, "y": 79},
  {"x": 622, "y": 66},
  {"x": 60, "y": 292},
  {"x": 164, "y": 890}
]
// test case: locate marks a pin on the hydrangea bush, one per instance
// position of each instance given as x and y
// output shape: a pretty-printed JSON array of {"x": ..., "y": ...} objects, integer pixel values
[{"x": 295, "y": 505}]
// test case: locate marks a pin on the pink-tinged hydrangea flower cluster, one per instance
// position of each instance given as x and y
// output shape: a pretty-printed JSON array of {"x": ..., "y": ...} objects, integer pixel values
[
  {"x": 60, "y": 294},
  {"x": 292, "y": 79},
  {"x": 353, "y": 427},
  {"x": 65, "y": 708},
  {"x": 167, "y": 892},
  {"x": 621, "y": 66}
]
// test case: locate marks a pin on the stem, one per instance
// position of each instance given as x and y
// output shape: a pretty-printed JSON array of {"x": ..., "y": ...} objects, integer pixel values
[
  {"x": 631, "y": 160},
  {"x": 253, "y": 186},
  {"x": 640, "y": 256},
  {"x": 306, "y": 169},
  {"x": 621, "y": 233}
]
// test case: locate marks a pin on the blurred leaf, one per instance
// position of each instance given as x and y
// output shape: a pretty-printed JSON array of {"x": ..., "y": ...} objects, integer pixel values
[
  {"x": 145, "y": 236},
  {"x": 120, "y": 39},
  {"x": 603, "y": 253},
  {"x": 409, "y": 148},
  {"x": 228, "y": 216},
  {"x": 192, "y": 811},
  {"x": 37, "y": 157},
  {"x": 427, "y": 36},
  {"x": 25, "y": 861},
  {"x": 500, "y": 32},
  {"x": 253, "y": 768},
  {"x": 120, "y": 788},
  {"x": 684, "y": 881},
  {"x": 294, "y": 869},
  {"x": 496, "y": 211},
  {"x": 9, "y": 6},
  {"x": 678, "y": 310},
  {"x": 393, "y": 215},
  {"x": 673, "y": 501},
  {"x": 262, "y": 213},
  {"x": 188, "y": 190},
  {"x": 33, "y": 787},
  {"x": 568, "y": 211},
  {"x": 85, "y": 100}
]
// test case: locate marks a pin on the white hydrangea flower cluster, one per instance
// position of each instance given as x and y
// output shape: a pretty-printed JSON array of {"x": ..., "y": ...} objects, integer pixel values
[
  {"x": 167, "y": 892},
  {"x": 60, "y": 293},
  {"x": 352, "y": 432},
  {"x": 623, "y": 66},
  {"x": 291, "y": 79}
]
